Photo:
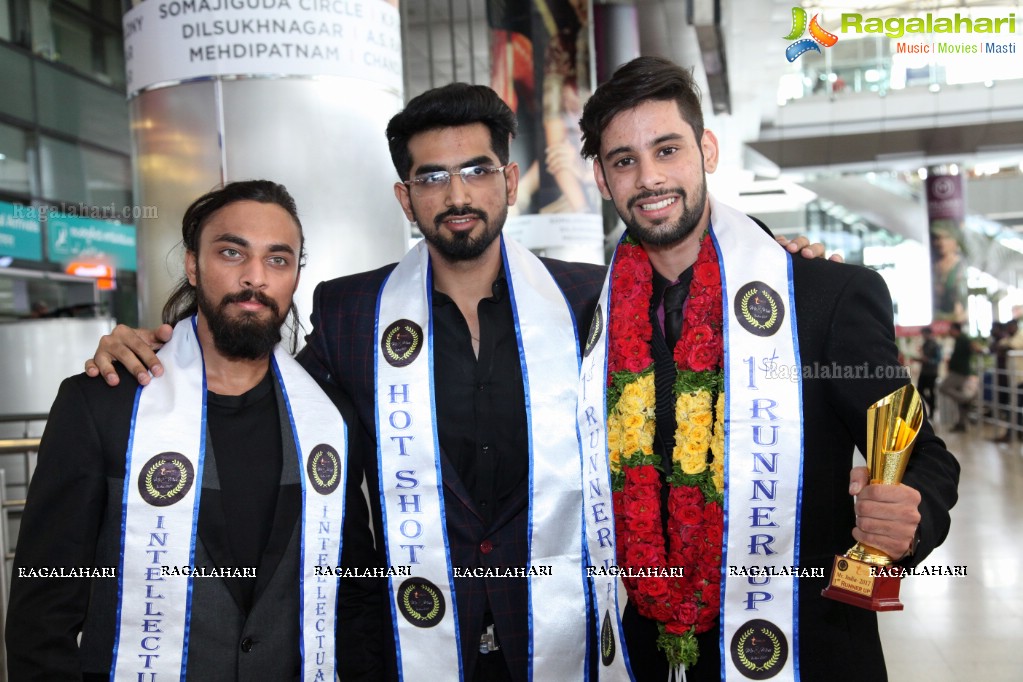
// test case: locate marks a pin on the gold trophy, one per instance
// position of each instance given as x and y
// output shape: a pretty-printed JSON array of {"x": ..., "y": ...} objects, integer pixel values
[{"x": 864, "y": 576}]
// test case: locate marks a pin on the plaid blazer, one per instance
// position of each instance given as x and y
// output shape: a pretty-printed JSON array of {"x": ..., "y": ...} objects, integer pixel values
[{"x": 341, "y": 349}]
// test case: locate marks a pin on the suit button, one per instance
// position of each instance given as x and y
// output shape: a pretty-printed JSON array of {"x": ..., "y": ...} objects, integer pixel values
[
  {"x": 247, "y": 645},
  {"x": 486, "y": 546}
]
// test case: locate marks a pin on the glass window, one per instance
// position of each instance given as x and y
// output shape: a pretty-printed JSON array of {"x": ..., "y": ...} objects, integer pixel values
[
  {"x": 5, "y": 20},
  {"x": 109, "y": 10},
  {"x": 15, "y": 84},
  {"x": 85, "y": 176},
  {"x": 15, "y": 166},
  {"x": 41, "y": 29},
  {"x": 79, "y": 35},
  {"x": 17, "y": 13},
  {"x": 72, "y": 41},
  {"x": 113, "y": 63},
  {"x": 82, "y": 109}
]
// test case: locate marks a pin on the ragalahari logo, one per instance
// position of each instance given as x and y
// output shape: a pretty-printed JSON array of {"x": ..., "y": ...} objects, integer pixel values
[{"x": 818, "y": 34}]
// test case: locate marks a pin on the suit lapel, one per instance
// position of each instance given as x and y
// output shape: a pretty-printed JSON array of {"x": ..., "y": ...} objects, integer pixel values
[
  {"x": 286, "y": 521},
  {"x": 512, "y": 507},
  {"x": 288, "y": 513},
  {"x": 212, "y": 528},
  {"x": 453, "y": 483}
]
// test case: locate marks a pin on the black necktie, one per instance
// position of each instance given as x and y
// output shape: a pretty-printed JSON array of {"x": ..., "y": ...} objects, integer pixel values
[{"x": 674, "y": 297}]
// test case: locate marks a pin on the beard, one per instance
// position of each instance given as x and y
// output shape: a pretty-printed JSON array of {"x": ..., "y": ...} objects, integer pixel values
[
  {"x": 662, "y": 234},
  {"x": 463, "y": 246},
  {"x": 246, "y": 336}
]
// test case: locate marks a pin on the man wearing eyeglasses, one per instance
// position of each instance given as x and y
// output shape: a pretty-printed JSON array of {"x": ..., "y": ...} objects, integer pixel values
[
  {"x": 504, "y": 473},
  {"x": 464, "y": 358}
]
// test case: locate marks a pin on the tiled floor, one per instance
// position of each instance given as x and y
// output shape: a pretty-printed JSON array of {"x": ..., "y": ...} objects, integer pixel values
[{"x": 968, "y": 628}]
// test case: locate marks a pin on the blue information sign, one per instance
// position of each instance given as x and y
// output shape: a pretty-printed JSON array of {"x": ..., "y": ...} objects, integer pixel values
[
  {"x": 20, "y": 236},
  {"x": 71, "y": 238}
]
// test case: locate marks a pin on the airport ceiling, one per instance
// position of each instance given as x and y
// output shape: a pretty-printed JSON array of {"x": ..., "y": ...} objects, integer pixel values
[
  {"x": 739, "y": 68},
  {"x": 448, "y": 40}
]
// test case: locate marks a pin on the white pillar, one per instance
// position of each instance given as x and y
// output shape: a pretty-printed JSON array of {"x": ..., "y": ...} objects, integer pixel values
[{"x": 294, "y": 91}]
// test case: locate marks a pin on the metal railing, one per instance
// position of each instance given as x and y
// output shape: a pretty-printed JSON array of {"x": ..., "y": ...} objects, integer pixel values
[
  {"x": 1002, "y": 399},
  {"x": 25, "y": 446},
  {"x": 998, "y": 405}
]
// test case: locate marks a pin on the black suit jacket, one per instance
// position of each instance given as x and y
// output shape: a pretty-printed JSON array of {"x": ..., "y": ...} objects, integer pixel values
[
  {"x": 72, "y": 518},
  {"x": 844, "y": 317},
  {"x": 341, "y": 349}
]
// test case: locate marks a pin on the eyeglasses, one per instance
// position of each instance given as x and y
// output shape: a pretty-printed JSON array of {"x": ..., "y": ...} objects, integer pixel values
[{"x": 436, "y": 181}]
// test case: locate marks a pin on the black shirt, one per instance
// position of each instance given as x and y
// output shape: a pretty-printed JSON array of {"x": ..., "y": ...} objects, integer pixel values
[
  {"x": 664, "y": 374},
  {"x": 959, "y": 361},
  {"x": 246, "y": 434},
  {"x": 930, "y": 357},
  {"x": 481, "y": 413}
]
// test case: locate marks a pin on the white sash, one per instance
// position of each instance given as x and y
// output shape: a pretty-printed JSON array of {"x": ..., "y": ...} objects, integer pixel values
[
  {"x": 759, "y": 480},
  {"x": 412, "y": 494},
  {"x": 613, "y": 658},
  {"x": 549, "y": 353},
  {"x": 321, "y": 441},
  {"x": 160, "y": 511},
  {"x": 763, "y": 451},
  {"x": 423, "y": 608}
]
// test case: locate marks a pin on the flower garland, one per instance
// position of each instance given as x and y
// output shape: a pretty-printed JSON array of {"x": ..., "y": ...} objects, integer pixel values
[{"x": 682, "y": 605}]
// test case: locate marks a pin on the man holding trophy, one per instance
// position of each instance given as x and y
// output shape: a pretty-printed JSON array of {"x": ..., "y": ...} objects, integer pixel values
[
  {"x": 735, "y": 383},
  {"x": 864, "y": 575}
]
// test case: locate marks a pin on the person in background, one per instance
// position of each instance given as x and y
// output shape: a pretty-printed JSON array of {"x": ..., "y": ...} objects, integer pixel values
[
  {"x": 959, "y": 382},
  {"x": 930, "y": 362}
]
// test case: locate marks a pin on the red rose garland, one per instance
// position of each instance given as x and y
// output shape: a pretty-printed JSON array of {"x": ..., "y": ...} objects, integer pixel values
[
  {"x": 688, "y": 604},
  {"x": 630, "y": 328}
]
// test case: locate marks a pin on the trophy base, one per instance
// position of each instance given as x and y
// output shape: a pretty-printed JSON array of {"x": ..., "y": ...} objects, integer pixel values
[{"x": 852, "y": 583}]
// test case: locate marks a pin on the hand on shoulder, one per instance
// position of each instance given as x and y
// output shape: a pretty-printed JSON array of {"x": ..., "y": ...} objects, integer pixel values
[{"x": 133, "y": 348}]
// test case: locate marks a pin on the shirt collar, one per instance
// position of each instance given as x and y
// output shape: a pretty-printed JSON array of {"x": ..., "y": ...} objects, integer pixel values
[{"x": 499, "y": 290}]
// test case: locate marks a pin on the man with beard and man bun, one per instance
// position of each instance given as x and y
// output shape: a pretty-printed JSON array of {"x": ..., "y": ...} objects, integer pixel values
[{"x": 181, "y": 528}]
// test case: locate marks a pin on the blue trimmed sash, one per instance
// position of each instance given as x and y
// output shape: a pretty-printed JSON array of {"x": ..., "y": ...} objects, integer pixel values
[
  {"x": 601, "y": 542},
  {"x": 160, "y": 510},
  {"x": 763, "y": 451},
  {"x": 412, "y": 495}
]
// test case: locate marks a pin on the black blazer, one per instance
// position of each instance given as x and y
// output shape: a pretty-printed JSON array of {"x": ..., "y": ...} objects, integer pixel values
[
  {"x": 72, "y": 518},
  {"x": 844, "y": 317},
  {"x": 341, "y": 349}
]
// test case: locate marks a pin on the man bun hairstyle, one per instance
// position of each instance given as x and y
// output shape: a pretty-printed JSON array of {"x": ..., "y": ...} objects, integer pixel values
[
  {"x": 641, "y": 80},
  {"x": 183, "y": 301}
]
